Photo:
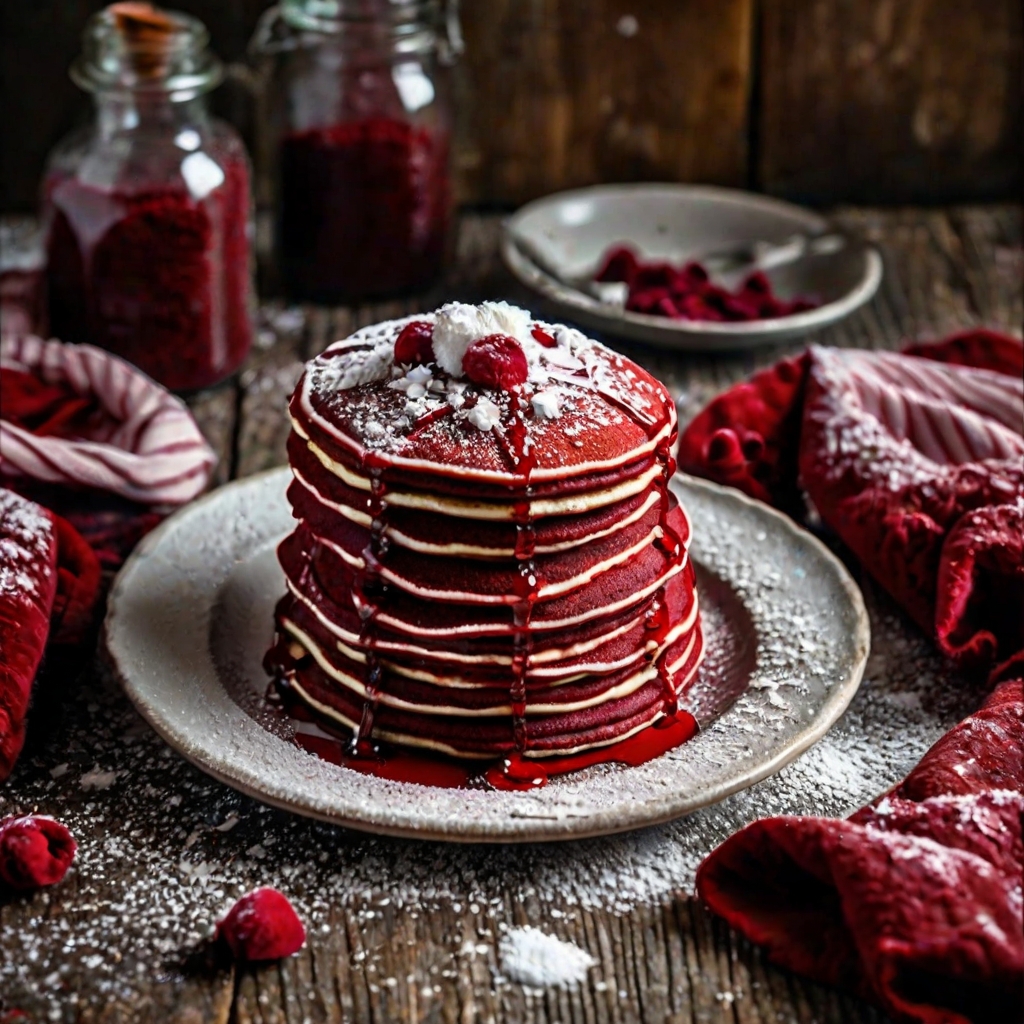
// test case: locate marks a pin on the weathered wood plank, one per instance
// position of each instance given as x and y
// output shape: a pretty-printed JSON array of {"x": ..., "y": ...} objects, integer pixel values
[
  {"x": 993, "y": 263},
  {"x": 670, "y": 962},
  {"x": 265, "y": 384},
  {"x": 558, "y": 94},
  {"x": 886, "y": 101},
  {"x": 216, "y": 412}
]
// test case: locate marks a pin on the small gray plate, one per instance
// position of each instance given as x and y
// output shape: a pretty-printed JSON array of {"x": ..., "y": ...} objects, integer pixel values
[
  {"x": 190, "y": 616},
  {"x": 572, "y": 230}
]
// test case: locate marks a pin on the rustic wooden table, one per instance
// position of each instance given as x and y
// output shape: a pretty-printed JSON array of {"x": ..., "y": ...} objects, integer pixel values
[{"x": 163, "y": 848}]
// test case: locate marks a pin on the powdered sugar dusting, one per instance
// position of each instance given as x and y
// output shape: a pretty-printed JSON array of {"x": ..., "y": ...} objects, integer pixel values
[
  {"x": 575, "y": 387},
  {"x": 539, "y": 960},
  {"x": 26, "y": 548}
]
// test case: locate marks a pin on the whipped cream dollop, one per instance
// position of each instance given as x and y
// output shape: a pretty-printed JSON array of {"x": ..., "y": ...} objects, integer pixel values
[
  {"x": 546, "y": 404},
  {"x": 458, "y": 324},
  {"x": 484, "y": 415}
]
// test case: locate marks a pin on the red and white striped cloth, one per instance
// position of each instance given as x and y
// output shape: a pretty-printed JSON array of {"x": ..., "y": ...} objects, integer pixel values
[{"x": 147, "y": 447}]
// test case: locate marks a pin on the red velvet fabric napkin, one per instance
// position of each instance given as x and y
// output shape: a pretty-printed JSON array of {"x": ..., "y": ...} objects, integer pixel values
[
  {"x": 109, "y": 453},
  {"x": 917, "y": 462},
  {"x": 49, "y": 588},
  {"x": 915, "y": 901}
]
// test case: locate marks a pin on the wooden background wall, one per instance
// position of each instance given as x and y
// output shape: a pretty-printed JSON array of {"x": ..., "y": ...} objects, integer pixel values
[{"x": 822, "y": 101}]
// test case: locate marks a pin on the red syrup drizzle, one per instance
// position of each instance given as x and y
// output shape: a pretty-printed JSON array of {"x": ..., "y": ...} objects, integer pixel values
[
  {"x": 516, "y": 772},
  {"x": 386, "y": 762},
  {"x": 430, "y": 417},
  {"x": 659, "y": 622},
  {"x": 428, "y": 769},
  {"x": 367, "y": 591}
]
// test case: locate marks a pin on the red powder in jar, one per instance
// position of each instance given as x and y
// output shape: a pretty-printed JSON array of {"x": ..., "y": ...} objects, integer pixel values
[
  {"x": 154, "y": 275},
  {"x": 364, "y": 209}
]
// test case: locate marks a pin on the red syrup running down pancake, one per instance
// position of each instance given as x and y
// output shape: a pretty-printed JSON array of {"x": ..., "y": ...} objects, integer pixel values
[{"x": 490, "y": 577}]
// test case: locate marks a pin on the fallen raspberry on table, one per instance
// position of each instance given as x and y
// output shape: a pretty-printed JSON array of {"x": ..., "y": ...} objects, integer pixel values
[
  {"x": 34, "y": 851},
  {"x": 495, "y": 361},
  {"x": 415, "y": 343},
  {"x": 262, "y": 925}
]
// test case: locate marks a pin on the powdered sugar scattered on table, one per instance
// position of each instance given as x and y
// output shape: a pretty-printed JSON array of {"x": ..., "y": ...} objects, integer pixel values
[{"x": 539, "y": 960}]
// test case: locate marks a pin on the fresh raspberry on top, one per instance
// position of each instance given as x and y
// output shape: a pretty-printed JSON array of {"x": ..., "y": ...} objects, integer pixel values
[
  {"x": 495, "y": 361},
  {"x": 414, "y": 343}
]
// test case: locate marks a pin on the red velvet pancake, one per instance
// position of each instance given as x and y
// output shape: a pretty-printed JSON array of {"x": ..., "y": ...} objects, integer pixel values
[
  {"x": 488, "y": 560},
  {"x": 566, "y": 656}
]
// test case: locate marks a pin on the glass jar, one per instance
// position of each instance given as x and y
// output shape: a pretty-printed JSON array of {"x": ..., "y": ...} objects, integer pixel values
[
  {"x": 357, "y": 143},
  {"x": 147, "y": 210}
]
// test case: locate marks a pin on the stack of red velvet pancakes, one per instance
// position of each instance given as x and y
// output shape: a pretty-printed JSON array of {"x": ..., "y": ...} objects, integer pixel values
[{"x": 489, "y": 563}]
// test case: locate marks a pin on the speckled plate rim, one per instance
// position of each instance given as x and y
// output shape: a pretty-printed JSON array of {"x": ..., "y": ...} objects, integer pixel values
[
  {"x": 169, "y": 698},
  {"x": 685, "y": 335}
]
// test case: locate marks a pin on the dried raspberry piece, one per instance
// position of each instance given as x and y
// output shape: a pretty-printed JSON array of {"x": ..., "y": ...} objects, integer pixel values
[
  {"x": 648, "y": 300},
  {"x": 659, "y": 289},
  {"x": 34, "y": 851},
  {"x": 692, "y": 277},
  {"x": 618, "y": 265},
  {"x": 495, "y": 361},
  {"x": 757, "y": 283},
  {"x": 414, "y": 343},
  {"x": 653, "y": 275},
  {"x": 542, "y": 337},
  {"x": 262, "y": 925}
]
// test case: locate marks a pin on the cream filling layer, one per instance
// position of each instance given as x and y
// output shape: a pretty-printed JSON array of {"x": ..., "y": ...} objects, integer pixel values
[
  {"x": 500, "y": 628},
  {"x": 404, "y": 740},
  {"x": 651, "y": 649},
  {"x": 539, "y": 709},
  {"x": 471, "y": 550},
  {"x": 547, "y": 656},
  {"x": 544, "y": 593}
]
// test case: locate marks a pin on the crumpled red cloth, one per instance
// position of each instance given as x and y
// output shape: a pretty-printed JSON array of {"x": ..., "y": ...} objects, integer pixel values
[
  {"x": 91, "y": 437},
  {"x": 915, "y": 901},
  {"x": 915, "y": 461},
  {"x": 49, "y": 588}
]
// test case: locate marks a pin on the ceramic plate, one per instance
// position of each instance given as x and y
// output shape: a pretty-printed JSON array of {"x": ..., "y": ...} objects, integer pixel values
[
  {"x": 572, "y": 230},
  {"x": 190, "y": 616}
]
